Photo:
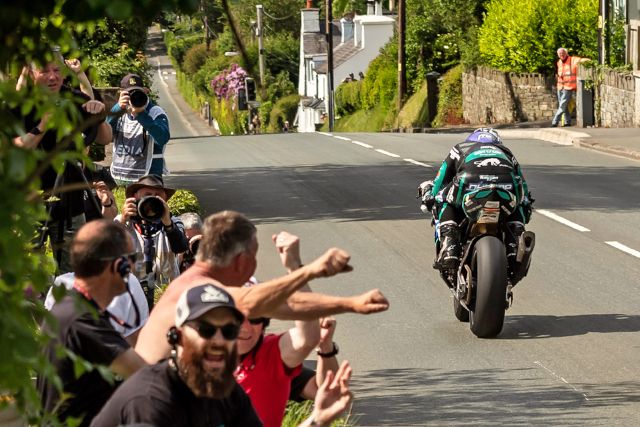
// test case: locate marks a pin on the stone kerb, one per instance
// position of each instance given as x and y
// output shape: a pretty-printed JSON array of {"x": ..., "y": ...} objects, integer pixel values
[{"x": 493, "y": 96}]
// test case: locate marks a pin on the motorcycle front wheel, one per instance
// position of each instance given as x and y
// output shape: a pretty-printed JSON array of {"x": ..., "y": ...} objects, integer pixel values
[{"x": 486, "y": 317}]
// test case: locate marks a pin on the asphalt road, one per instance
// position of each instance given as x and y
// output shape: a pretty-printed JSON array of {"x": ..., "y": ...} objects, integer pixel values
[{"x": 569, "y": 351}]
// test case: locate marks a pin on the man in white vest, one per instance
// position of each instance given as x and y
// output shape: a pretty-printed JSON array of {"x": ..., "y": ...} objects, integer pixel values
[{"x": 140, "y": 133}]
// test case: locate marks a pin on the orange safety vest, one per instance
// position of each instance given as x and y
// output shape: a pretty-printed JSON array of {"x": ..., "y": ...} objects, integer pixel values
[{"x": 568, "y": 73}]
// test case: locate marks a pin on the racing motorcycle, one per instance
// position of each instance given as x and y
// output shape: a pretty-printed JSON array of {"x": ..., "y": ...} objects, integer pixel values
[{"x": 482, "y": 284}]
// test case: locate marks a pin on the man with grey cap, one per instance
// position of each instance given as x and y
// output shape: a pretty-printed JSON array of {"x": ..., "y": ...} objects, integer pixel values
[{"x": 195, "y": 386}]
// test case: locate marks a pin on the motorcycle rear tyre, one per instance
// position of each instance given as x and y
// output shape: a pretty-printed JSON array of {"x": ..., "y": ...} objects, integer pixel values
[{"x": 487, "y": 315}]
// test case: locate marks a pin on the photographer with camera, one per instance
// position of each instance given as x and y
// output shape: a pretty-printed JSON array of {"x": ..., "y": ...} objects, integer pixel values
[
  {"x": 140, "y": 133},
  {"x": 158, "y": 235},
  {"x": 193, "y": 230}
]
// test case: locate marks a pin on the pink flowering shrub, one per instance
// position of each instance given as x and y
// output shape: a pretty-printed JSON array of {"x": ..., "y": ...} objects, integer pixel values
[{"x": 226, "y": 84}]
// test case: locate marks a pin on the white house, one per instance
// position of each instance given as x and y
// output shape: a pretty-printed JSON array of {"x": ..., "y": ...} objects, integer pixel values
[{"x": 357, "y": 41}]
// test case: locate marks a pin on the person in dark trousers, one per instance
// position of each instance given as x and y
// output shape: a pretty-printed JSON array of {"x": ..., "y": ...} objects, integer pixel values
[{"x": 100, "y": 257}]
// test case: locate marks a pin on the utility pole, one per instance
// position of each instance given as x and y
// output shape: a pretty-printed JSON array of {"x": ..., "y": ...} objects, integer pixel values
[
  {"x": 329, "y": 31},
  {"x": 402, "y": 72},
  {"x": 260, "y": 46}
]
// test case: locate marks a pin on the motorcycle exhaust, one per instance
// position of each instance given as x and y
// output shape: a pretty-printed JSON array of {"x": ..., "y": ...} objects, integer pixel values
[{"x": 526, "y": 243}]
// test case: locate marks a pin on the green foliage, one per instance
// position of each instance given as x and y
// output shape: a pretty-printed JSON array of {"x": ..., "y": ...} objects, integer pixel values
[
  {"x": 380, "y": 84},
  {"x": 415, "y": 111},
  {"x": 108, "y": 69},
  {"x": 282, "y": 55},
  {"x": 284, "y": 109},
  {"x": 342, "y": 7},
  {"x": 195, "y": 58},
  {"x": 521, "y": 36},
  {"x": 280, "y": 16},
  {"x": 27, "y": 33},
  {"x": 184, "y": 201},
  {"x": 373, "y": 120},
  {"x": 439, "y": 33},
  {"x": 347, "y": 97},
  {"x": 296, "y": 413},
  {"x": 450, "y": 99},
  {"x": 178, "y": 45}
]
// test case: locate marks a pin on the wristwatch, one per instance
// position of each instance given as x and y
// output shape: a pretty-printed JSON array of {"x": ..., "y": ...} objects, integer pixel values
[
  {"x": 35, "y": 131},
  {"x": 330, "y": 353}
]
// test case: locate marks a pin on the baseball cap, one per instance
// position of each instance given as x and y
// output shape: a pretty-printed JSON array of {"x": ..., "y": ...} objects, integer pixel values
[
  {"x": 131, "y": 81},
  {"x": 199, "y": 300}
]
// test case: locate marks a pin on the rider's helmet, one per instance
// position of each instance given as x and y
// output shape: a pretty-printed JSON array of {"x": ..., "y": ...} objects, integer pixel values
[{"x": 485, "y": 136}]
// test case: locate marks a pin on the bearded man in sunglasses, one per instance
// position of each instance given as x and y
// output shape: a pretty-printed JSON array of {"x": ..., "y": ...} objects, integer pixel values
[
  {"x": 80, "y": 322},
  {"x": 195, "y": 386}
]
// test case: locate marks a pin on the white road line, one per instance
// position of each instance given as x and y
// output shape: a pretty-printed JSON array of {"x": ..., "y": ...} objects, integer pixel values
[
  {"x": 386, "y": 153},
  {"x": 344, "y": 138},
  {"x": 624, "y": 248},
  {"x": 325, "y": 133},
  {"x": 561, "y": 379},
  {"x": 362, "y": 144},
  {"x": 417, "y": 163},
  {"x": 561, "y": 220},
  {"x": 182, "y": 116}
]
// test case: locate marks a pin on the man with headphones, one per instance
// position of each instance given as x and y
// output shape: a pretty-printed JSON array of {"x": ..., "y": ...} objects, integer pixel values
[
  {"x": 100, "y": 255},
  {"x": 195, "y": 386}
]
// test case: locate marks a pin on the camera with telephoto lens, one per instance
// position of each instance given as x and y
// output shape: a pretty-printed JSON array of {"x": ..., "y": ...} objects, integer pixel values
[
  {"x": 138, "y": 98},
  {"x": 189, "y": 257},
  {"x": 150, "y": 209}
]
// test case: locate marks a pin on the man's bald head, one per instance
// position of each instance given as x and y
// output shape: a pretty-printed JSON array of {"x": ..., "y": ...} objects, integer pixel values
[{"x": 95, "y": 244}]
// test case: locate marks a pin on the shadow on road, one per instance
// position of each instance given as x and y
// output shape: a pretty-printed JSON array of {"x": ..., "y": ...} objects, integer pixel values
[
  {"x": 482, "y": 397},
  {"x": 385, "y": 192},
  {"x": 544, "y": 326}
]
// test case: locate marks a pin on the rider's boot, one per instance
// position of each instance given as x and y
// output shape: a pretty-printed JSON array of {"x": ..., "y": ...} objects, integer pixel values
[
  {"x": 516, "y": 229},
  {"x": 449, "y": 256}
]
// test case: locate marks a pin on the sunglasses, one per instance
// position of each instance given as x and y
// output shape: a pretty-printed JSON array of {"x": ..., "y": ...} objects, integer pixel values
[
  {"x": 132, "y": 257},
  {"x": 206, "y": 330},
  {"x": 257, "y": 321}
]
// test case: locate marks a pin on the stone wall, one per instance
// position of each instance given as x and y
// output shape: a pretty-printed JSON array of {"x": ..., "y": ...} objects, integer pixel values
[
  {"x": 618, "y": 100},
  {"x": 492, "y": 96}
]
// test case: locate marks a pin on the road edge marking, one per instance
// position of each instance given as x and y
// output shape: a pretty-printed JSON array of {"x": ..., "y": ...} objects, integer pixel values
[{"x": 561, "y": 220}]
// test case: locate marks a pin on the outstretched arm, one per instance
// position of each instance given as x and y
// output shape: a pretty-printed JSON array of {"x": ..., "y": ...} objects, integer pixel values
[
  {"x": 263, "y": 300},
  {"x": 311, "y": 305}
]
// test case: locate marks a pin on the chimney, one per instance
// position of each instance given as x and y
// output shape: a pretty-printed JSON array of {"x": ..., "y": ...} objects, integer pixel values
[
  {"x": 309, "y": 4},
  {"x": 378, "y": 7},
  {"x": 370, "y": 7},
  {"x": 347, "y": 29},
  {"x": 310, "y": 19}
]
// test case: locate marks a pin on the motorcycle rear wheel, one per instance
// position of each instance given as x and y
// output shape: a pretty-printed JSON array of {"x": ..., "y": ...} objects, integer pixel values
[{"x": 487, "y": 315}]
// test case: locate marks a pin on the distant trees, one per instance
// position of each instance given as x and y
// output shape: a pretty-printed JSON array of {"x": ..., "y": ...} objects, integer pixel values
[{"x": 523, "y": 36}]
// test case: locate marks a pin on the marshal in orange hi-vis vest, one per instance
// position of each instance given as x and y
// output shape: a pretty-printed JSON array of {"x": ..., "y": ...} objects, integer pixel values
[{"x": 568, "y": 72}]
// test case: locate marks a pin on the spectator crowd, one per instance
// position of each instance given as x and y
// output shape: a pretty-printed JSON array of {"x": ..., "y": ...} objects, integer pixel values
[{"x": 197, "y": 351}]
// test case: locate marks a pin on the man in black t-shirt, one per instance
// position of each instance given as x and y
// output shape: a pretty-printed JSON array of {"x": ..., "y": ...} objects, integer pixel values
[
  {"x": 195, "y": 387},
  {"x": 100, "y": 258},
  {"x": 67, "y": 215}
]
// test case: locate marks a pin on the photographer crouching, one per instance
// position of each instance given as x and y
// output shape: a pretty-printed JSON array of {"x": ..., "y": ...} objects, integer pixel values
[{"x": 158, "y": 236}]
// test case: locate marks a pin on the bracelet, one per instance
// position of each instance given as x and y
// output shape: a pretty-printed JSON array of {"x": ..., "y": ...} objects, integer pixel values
[
  {"x": 168, "y": 227},
  {"x": 109, "y": 205},
  {"x": 330, "y": 353}
]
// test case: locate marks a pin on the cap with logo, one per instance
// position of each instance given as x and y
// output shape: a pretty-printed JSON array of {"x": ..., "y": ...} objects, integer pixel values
[
  {"x": 199, "y": 300},
  {"x": 131, "y": 81}
]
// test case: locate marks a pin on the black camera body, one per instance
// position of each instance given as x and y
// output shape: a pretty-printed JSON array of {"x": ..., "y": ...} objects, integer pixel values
[
  {"x": 150, "y": 209},
  {"x": 138, "y": 98}
]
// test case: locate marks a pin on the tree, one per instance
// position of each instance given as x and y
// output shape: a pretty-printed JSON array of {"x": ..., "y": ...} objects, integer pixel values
[
  {"x": 28, "y": 30},
  {"x": 524, "y": 36}
]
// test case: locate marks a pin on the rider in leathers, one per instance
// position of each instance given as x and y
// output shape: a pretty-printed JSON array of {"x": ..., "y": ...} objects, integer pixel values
[{"x": 480, "y": 160}]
